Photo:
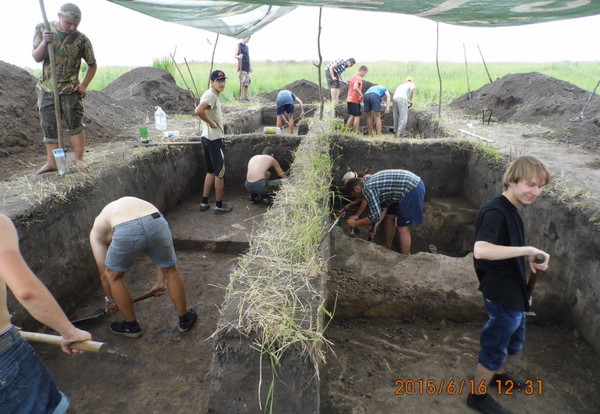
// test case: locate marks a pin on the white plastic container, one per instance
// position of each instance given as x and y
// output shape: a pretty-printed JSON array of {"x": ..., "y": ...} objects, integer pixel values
[
  {"x": 160, "y": 119},
  {"x": 61, "y": 161}
]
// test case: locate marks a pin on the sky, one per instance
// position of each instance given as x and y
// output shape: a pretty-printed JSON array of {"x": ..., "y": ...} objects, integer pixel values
[{"x": 123, "y": 37}]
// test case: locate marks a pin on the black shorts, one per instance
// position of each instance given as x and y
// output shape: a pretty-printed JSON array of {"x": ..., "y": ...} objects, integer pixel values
[
  {"x": 354, "y": 109},
  {"x": 214, "y": 156}
]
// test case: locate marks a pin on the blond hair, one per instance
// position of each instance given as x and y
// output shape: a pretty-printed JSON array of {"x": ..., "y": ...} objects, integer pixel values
[{"x": 525, "y": 167}]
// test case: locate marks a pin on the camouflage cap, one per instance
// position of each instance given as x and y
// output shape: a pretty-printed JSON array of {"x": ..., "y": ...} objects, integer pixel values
[{"x": 71, "y": 11}]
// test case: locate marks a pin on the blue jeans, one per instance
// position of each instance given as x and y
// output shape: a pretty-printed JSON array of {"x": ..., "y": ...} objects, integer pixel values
[
  {"x": 150, "y": 234},
  {"x": 26, "y": 386},
  {"x": 502, "y": 335}
]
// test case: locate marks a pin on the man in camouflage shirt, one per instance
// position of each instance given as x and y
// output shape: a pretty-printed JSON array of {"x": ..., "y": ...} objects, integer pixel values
[{"x": 70, "y": 46}]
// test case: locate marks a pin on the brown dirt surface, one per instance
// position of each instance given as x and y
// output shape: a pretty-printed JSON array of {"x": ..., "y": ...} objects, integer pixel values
[
  {"x": 307, "y": 91},
  {"x": 534, "y": 98}
]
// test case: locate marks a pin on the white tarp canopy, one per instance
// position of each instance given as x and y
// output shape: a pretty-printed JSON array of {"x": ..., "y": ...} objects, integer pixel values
[{"x": 242, "y": 18}]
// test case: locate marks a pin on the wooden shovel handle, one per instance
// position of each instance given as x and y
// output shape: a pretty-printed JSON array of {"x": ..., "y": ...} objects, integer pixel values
[
  {"x": 88, "y": 346},
  {"x": 539, "y": 258},
  {"x": 148, "y": 295}
]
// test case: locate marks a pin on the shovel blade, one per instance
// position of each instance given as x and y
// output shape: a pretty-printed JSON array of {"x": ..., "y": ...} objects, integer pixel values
[{"x": 92, "y": 315}]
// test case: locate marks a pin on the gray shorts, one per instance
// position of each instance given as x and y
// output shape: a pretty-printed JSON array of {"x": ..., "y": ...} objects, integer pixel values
[{"x": 149, "y": 234}]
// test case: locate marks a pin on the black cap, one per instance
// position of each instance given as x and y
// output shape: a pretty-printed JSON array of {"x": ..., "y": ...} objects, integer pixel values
[{"x": 217, "y": 75}]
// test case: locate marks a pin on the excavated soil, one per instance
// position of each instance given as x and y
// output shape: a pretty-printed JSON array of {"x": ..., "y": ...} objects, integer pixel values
[{"x": 371, "y": 355}]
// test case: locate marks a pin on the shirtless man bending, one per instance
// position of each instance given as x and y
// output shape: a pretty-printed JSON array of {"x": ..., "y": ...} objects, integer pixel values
[
  {"x": 257, "y": 179},
  {"x": 124, "y": 229}
]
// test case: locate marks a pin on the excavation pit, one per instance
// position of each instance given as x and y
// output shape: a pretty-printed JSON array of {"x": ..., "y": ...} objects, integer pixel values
[{"x": 396, "y": 319}]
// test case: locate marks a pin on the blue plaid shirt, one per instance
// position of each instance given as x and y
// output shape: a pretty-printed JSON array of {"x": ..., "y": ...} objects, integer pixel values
[
  {"x": 387, "y": 187},
  {"x": 342, "y": 65}
]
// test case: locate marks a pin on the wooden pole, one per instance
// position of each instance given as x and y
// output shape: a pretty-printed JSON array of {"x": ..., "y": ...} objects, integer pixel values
[
  {"x": 59, "y": 128},
  {"x": 467, "y": 72},
  {"x": 88, "y": 346},
  {"x": 191, "y": 77},
  {"x": 183, "y": 79},
  {"x": 484, "y": 65},
  {"x": 321, "y": 107},
  {"x": 437, "y": 64},
  {"x": 212, "y": 60}
]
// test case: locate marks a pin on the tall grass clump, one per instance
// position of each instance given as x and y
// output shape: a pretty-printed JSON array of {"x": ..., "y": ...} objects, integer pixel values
[{"x": 275, "y": 290}]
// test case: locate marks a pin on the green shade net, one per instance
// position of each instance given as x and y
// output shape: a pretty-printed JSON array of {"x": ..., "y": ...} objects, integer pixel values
[{"x": 240, "y": 19}]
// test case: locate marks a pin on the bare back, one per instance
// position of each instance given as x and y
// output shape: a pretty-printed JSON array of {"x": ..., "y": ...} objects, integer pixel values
[
  {"x": 119, "y": 211},
  {"x": 259, "y": 166}
]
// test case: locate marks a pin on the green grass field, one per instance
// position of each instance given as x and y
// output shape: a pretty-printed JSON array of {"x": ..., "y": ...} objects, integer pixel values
[{"x": 272, "y": 75}]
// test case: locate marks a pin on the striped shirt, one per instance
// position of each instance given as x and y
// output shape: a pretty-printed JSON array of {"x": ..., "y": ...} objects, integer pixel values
[
  {"x": 387, "y": 187},
  {"x": 342, "y": 65}
]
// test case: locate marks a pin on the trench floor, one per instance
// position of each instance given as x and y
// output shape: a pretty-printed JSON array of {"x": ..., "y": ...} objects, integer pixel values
[{"x": 163, "y": 371}]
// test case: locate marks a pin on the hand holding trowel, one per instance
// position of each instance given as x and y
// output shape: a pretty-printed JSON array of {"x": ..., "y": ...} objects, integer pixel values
[{"x": 100, "y": 312}]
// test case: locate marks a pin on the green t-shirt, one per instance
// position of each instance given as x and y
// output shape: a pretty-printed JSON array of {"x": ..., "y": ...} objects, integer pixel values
[
  {"x": 69, "y": 49},
  {"x": 214, "y": 113}
]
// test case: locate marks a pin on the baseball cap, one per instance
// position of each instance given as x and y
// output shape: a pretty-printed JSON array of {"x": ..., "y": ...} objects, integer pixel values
[
  {"x": 217, "y": 75},
  {"x": 71, "y": 11}
]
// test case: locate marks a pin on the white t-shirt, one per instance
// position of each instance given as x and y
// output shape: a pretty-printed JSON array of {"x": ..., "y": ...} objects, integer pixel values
[{"x": 403, "y": 90}]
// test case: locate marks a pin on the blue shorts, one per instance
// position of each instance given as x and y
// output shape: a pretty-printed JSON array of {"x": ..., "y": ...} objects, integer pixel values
[
  {"x": 410, "y": 210},
  {"x": 372, "y": 102},
  {"x": 149, "y": 234},
  {"x": 214, "y": 156},
  {"x": 26, "y": 385},
  {"x": 289, "y": 108},
  {"x": 503, "y": 334},
  {"x": 353, "y": 108}
]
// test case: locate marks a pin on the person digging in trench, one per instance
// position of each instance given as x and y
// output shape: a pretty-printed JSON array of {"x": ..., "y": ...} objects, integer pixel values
[
  {"x": 501, "y": 258},
  {"x": 285, "y": 104},
  {"x": 26, "y": 385},
  {"x": 395, "y": 195},
  {"x": 70, "y": 47},
  {"x": 257, "y": 182},
  {"x": 125, "y": 228}
]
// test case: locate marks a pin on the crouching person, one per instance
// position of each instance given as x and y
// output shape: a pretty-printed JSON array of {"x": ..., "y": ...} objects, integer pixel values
[
  {"x": 258, "y": 181},
  {"x": 123, "y": 230}
]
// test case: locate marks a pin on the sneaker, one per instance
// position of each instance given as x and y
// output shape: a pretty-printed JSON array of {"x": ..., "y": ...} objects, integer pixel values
[
  {"x": 130, "y": 329},
  {"x": 187, "y": 321},
  {"x": 507, "y": 382},
  {"x": 487, "y": 405},
  {"x": 225, "y": 208},
  {"x": 204, "y": 206}
]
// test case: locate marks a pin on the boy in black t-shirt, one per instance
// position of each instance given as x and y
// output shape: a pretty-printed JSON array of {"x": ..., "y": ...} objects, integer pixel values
[{"x": 500, "y": 264}]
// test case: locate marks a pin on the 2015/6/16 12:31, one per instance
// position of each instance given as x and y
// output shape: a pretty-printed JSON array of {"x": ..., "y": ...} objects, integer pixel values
[{"x": 458, "y": 387}]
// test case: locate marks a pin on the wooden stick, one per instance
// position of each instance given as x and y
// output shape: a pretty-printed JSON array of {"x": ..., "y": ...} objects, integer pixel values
[
  {"x": 59, "y": 128},
  {"x": 88, "y": 346},
  {"x": 191, "y": 77}
]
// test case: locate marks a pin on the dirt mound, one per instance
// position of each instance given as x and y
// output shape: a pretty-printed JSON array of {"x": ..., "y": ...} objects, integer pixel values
[
  {"x": 144, "y": 88},
  {"x": 535, "y": 98},
  {"x": 18, "y": 111},
  {"x": 307, "y": 91}
]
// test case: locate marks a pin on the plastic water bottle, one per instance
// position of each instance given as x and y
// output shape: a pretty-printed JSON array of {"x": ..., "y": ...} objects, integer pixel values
[
  {"x": 170, "y": 134},
  {"x": 160, "y": 118},
  {"x": 61, "y": 161}
]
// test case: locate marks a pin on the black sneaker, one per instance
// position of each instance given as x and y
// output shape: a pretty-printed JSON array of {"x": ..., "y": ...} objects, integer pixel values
[
  {"x": 204, "y": 206},
  {"x": 487, "y": 405},
  {"x": 130, "y": 329},
  {"x": 506, "y": 382},
  {"x": 225, "y": 208},
  {"x": 187, "y": 321}
]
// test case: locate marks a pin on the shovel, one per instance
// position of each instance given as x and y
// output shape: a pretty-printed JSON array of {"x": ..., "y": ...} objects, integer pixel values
[
  {"x": 100, "y": 312},
  {"x": 579, "y": 118},
  {"x": 59, "y": 128}
]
